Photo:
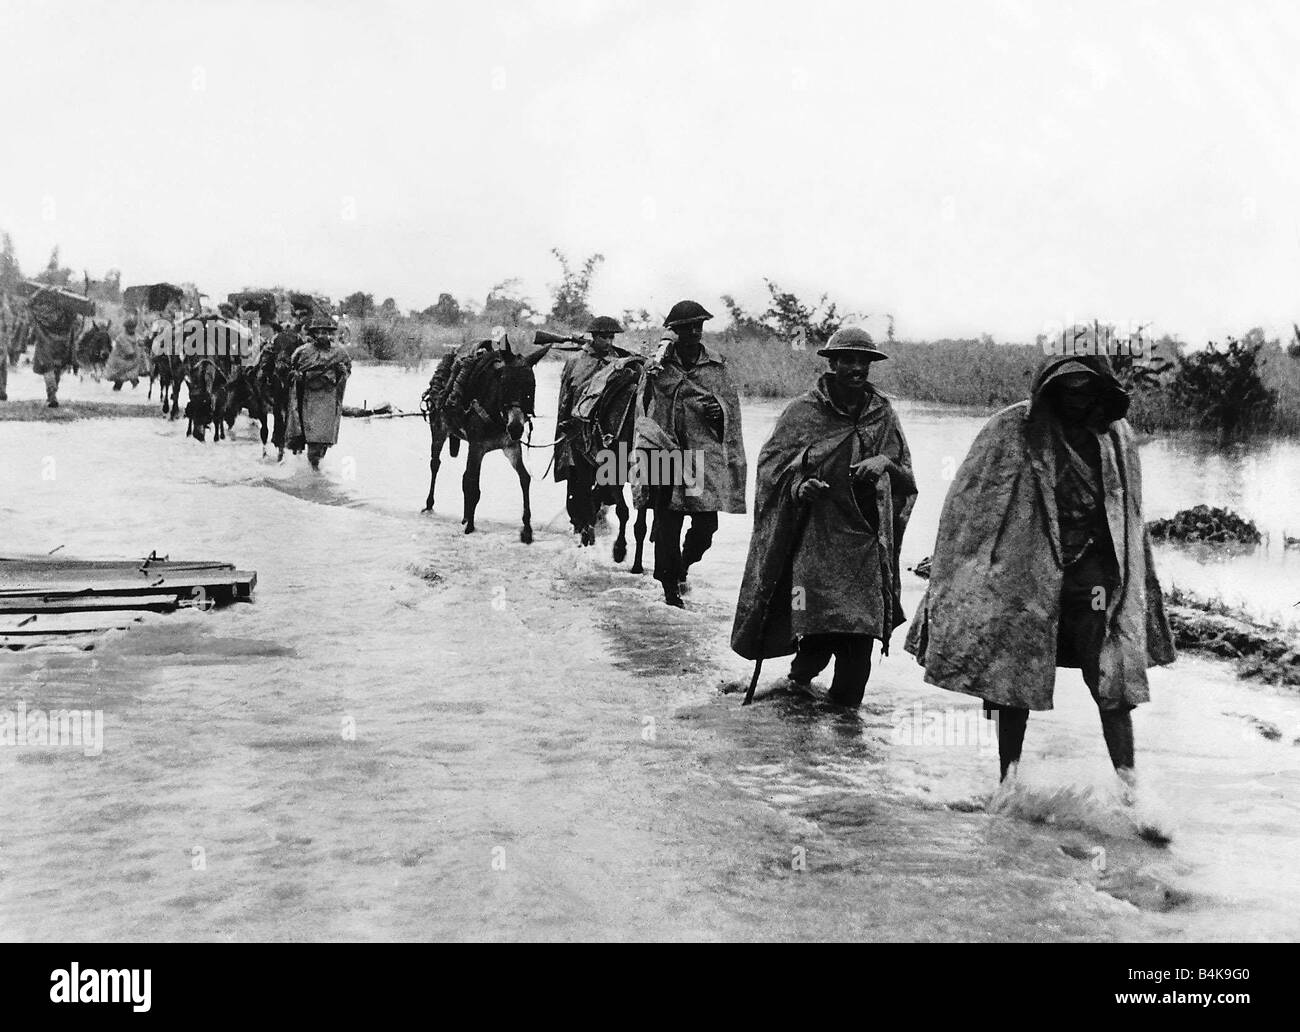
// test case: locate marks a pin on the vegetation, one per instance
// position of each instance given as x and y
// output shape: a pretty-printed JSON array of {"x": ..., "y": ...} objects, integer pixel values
[{"x": 571, "y": 293}]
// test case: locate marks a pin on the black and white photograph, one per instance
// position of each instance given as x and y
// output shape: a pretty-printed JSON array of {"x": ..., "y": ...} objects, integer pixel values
[{"x": 570, "y": 471}]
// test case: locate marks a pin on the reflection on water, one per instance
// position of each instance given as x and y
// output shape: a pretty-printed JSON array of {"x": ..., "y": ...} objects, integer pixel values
[{"x": 541, "y": 701}]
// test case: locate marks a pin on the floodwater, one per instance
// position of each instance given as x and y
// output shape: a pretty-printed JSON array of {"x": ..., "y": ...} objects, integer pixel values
[{"x": 414, "y": 734}]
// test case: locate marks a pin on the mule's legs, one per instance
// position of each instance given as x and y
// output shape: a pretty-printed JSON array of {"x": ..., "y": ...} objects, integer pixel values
[
  {"x": 638, "y": 530},
  {"x": 469, "y": 484},
  {"x": 621, "y": 511},
  {"x": 515, "y": 453},
  {"x": 437, "y": 434}
]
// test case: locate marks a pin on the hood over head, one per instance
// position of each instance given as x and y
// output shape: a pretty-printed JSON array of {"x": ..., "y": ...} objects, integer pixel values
[{"x": 1114, "y": 398}]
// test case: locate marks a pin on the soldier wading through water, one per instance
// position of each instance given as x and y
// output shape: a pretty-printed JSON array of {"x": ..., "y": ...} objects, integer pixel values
[
  {"x": 571, "y": 463},
  {"x": 688, "y": 434},
  {"x": 834, "y": 494},
  {"x": 1043, "y": 560},
  {"x": 320, "y": 369}
]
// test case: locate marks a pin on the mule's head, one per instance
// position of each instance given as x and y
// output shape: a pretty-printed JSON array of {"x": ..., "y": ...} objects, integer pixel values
[{"x": 518, "y": 390}]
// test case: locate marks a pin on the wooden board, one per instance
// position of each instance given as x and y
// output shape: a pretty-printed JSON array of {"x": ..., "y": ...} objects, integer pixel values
[{"x": 87, "y": 603}]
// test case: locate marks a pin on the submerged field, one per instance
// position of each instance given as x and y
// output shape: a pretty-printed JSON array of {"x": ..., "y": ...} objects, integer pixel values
[{"x": 413, "y": 734}]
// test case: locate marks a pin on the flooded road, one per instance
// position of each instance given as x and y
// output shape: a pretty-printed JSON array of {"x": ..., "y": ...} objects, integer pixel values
[{"x": 414, "y": 734}]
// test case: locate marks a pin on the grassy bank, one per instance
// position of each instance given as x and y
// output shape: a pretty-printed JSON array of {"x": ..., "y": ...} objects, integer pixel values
[
  {"x": 989, "y": 375},
  {"x": 1262, "y": 652},
  {"x": 68, "y": 411}
]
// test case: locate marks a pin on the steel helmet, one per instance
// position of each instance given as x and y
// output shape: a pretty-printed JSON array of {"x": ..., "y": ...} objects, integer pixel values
[
  {"x": 687, "y": 312},
  {"x": 851, "y": 338},
  {"x": 605, "y": 325}
]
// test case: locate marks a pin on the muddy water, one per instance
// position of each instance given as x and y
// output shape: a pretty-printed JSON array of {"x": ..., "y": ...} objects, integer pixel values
[{"x": 416, "y": 734}]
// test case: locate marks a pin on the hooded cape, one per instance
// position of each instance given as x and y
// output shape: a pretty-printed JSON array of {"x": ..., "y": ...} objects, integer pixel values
[
  {"x": 670, "y": 422},
  {"x": 828, "y": 566},
  {"x": 321, "y": 374},
  {"x": 988, "y": 623}
]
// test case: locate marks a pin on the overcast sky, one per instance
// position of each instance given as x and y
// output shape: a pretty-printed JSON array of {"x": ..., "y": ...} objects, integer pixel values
[{"x": 969, "y": 167}]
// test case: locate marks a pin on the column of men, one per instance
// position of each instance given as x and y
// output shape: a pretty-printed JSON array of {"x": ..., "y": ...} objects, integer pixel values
[{"x": 1042, "y": 558}]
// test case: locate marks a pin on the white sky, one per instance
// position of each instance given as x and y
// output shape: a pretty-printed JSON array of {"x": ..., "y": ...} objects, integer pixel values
[{"x": 969, "y": 167}]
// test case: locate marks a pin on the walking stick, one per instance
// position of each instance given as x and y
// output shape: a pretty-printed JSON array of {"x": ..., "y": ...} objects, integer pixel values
[{"x": 753, "y": 681}]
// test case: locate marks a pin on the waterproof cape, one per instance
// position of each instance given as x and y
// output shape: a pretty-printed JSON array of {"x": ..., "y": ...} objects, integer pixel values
[{"x": 988, "y": 623}]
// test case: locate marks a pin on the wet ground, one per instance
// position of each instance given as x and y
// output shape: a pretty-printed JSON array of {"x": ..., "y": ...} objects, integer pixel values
[{"x": 414, "y": 734}]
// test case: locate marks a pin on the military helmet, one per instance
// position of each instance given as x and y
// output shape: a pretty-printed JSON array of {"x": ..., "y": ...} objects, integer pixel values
[
  {"x": 851, "y": 338},
  {"x": 321, "y": 323},
  {"x": 687, "y": 312},
  {"x": 604, "y": 325}
]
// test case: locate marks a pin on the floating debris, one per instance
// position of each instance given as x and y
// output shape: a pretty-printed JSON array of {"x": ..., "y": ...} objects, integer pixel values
[{"x": 1202, "y": 523}]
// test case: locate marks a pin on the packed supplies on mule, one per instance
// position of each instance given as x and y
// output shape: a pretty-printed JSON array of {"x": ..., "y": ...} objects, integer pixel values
[
  {"x": 834, "y": 495},
  {"x": 1042, "y": 560},
  {"x": 486, "y": 395}
]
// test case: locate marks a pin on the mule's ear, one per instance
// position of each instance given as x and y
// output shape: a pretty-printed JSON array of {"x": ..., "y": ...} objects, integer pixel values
[{"x": 536, "y": 356}]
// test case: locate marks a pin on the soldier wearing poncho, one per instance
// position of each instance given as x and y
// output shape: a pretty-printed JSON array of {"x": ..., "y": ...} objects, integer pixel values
[
  {"x": 1043, "y": 560},
  {"x": 691, "y": 456},
  {"x": 320, "y": 369},
  {"x": 571, "y": 463},
  {"x": 54, "y": 329},
  {"x": 834, "y": 495},
  {"x": 129, "y": 358}
]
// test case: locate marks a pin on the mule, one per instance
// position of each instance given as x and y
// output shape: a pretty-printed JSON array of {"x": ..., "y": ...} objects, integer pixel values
[
  {"x": 169, "y": 371},
  {"x": 497, "y": 408},
  {"x": 243, "y": 392},
  {"x": 606, "y": 434},
  {"x": 90, "y": 354},
  {"x": 205, "y": 380}
]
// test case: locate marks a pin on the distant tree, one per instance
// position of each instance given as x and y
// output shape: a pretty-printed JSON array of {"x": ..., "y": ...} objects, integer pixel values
[
  {"x": 358, "y": 304},
  {"x": 570, "y": 305},
  {"x": 794, "y": 320},
  {"x": 55, "y": 274},
  {"x": 743, "y": 325},
  {"x": 505, "y": 304},
  {"x": 636, "y": 318},
  {"x": 388, "y": 309},
  {"x": 446, "y": 312}
]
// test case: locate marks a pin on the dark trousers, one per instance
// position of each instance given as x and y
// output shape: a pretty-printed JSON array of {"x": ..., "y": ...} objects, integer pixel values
[
  {"x": 852, "y": 654},
  {"x": 581, "y": 497},
  {"x": 1085, "y": 596},
  {"x": 673, "y": 557}
]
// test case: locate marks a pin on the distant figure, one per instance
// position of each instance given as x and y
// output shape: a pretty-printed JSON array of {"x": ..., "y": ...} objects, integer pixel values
[
  {"x": 125, "y": 359},
  {"x": 571, "y": 463},
  {"x": 54, "y": 330},
  {"x": 835, "y": 492},
  {"x": 1043, "y": 560},
  {"x": 693, "y": 457},
  {"x": 8, "y": 334},
  {"x": 320, "y": 370}
]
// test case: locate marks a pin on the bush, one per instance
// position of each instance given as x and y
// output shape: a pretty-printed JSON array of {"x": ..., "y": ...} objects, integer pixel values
[
  {"x": 378, "y": 341},
  {"x": 1224, "y": 386}
]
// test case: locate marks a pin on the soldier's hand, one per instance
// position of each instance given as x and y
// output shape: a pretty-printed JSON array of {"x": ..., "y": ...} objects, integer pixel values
[
  {"x": 812, "y": 489},
  {"x": 871, "y": 468}
]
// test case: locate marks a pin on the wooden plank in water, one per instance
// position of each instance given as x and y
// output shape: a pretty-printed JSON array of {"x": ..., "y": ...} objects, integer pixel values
[
  {"x": 32, "y": 625},
  {"x": 87, "y": 603},
  {"x": 235, "y": 585}
]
